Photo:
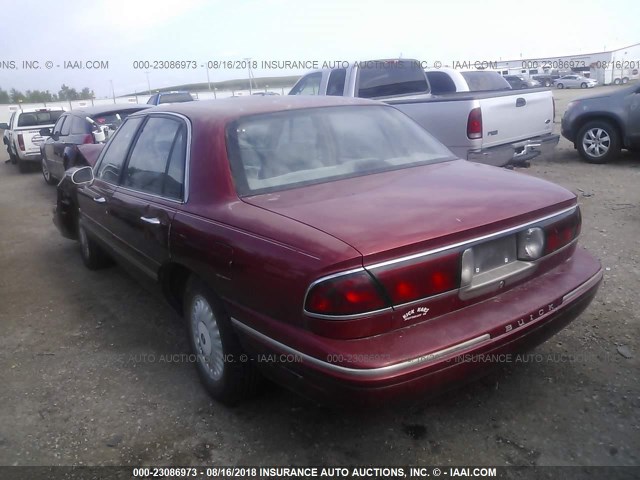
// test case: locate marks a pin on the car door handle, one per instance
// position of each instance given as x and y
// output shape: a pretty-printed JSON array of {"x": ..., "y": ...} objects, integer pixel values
[
  {"x": 521, "y": 102},
  {"x": 99, "y": 199},
  {"x": 151, "y": 220}
]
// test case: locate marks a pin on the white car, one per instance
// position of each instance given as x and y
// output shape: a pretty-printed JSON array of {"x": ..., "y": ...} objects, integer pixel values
[
  {"x": 575, "y": 81},
  {"x": 22, "y": 134}
]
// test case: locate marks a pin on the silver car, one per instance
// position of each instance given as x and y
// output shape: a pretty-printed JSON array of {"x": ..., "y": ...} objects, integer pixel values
[{"x": 575, "y": 81}]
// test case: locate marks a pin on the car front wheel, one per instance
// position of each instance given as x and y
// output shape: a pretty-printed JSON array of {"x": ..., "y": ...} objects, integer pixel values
[
  {"x": 225, "y": 370},
  {"x": 560, "y": 85},
  {"x": 583, "y": 85},
  {"x": 46, "y": 173},
  {"x": 598, "y": 142}
]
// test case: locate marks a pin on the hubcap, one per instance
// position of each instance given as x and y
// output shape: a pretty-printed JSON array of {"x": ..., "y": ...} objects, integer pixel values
[
  {"x": 206, "y": 337},
  {"x": 596, "y": 142}
]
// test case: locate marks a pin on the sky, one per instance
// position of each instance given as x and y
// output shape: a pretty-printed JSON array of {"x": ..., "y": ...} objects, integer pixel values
[{"x": 122, "y": 32}]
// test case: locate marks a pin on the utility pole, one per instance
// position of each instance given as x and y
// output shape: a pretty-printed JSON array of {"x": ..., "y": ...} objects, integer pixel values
[
  {"x": 113, "y": 92},
  {"x": 148, "y": 83}
]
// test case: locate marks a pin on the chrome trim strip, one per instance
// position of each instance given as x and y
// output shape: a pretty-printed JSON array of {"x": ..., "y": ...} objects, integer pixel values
[
  {"x": 473, "y": 240},
  {"x": 586, "y": 286},
  {"x": 362, "y": 372}
]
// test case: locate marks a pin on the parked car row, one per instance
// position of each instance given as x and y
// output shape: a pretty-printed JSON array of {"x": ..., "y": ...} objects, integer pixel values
[
  {"x": 330, "y": 244},
  {"x": 27, "y": 134}
]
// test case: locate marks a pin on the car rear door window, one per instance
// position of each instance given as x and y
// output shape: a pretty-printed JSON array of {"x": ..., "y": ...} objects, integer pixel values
[
  {"x": 111, "y": 164},
  {"x": 66, "y": 127},
  {"x": 156, "y": 165}
]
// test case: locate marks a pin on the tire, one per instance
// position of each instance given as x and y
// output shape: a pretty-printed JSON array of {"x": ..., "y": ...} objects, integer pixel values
[
  {"x": 93, "y": 255},
  {"x": 560, "y": 86},
  {"x": 48, "y": 178},
  {"x": 583, "y": 85},
  {"x": 598, "y": 141},
  {"x": 616, "y": 81},
  {"x": 625, "y": 80},
  {"x": 218, "y": 352}
]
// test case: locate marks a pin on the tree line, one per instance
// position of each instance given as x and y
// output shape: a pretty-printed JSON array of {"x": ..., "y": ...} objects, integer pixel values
[{"x": 39, "y": 96}]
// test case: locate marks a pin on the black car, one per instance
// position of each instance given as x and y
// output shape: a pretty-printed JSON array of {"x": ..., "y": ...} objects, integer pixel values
[
  {"x": 600, "y": 126},
  {"x": 169, "y": 97},
  {"x": 78, "y": 127},
  {"x": 518, "y": 82}
]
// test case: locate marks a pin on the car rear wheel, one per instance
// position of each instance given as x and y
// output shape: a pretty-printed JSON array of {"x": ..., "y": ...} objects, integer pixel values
[
  {"x": 561, "y": 85},
  {"x": 547, "y": 83},
  {"x": 598, "y": 142},
  {"x": 224, "y": 369},
  {"x": 46, "y": 173},
  {"x": 93, "y": 255},
  {"x": 616, "y": 81},
  {"x": 583, "y": 85}
]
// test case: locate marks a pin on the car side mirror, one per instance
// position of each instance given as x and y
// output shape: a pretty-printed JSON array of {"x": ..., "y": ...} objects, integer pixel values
[
  {"x": 45, "y": 132},
  {"x": 82, "y": 176},
  {"x": 4, "y": 126}
]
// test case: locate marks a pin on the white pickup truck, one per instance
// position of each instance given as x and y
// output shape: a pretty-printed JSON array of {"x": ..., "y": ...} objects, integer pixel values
[
  {"x": 22, "y": 134},
  {"x": 497, "y": 127}
]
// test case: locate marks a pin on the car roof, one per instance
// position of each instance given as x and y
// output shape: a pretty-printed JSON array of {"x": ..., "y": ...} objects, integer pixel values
[
  {"x": 235, "y": 107},
  {"x": 41, "y": 109},
  {"x": 105, "y": 109}
]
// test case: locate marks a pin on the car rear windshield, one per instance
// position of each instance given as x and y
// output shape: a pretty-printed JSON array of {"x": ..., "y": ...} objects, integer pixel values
[
  {"x": 113, "y": 119},
  {"x": 388, "y": 78},
  {"x": 278, "y": 151},
  {"x": 175, "y": 97},
  {"x": 36, "y": 119},
  {"x": 484, "y": 81}
]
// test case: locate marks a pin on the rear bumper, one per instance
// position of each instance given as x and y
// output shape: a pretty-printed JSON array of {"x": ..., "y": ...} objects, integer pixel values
[
  {"x": 31, "y": 156},
  {"x": 515, "y": 153},
  {"x": 473, "y": 340}
]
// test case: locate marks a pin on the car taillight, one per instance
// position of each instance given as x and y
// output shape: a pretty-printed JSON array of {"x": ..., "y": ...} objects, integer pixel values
[
  {"x": 87, "y": 138},
  {"x": 562, "y": 232},
  {"x": 21, "y": 142},
  {"x": 419, "y": 278},
  {"x": 474, "y": 123},
  {"x": 349, "y": 294}
]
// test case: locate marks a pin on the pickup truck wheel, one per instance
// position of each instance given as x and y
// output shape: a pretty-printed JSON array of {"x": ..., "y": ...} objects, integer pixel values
[
  {"x": 93, "y": 256},
  {"x": 46, "y": 173},
  {"x": 561, "y": 85},
  {"x": 225, "y": 371},
  {"x": 598, "y": 142},
  {"x": 583, "y": 85}
]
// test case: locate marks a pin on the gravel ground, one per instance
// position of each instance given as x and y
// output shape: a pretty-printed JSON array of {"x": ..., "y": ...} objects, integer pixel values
[{"x": 89, "y": 376}]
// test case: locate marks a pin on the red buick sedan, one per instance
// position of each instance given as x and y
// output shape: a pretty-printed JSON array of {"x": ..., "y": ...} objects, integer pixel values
[{"x": 332, "y": 244}]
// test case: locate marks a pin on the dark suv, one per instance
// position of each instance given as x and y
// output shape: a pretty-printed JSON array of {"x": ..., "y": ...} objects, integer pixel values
[
  {"x": 77, "y": 127},
  {"x": 600, "y": 126},
  {"x": 169, "y": 97}
]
